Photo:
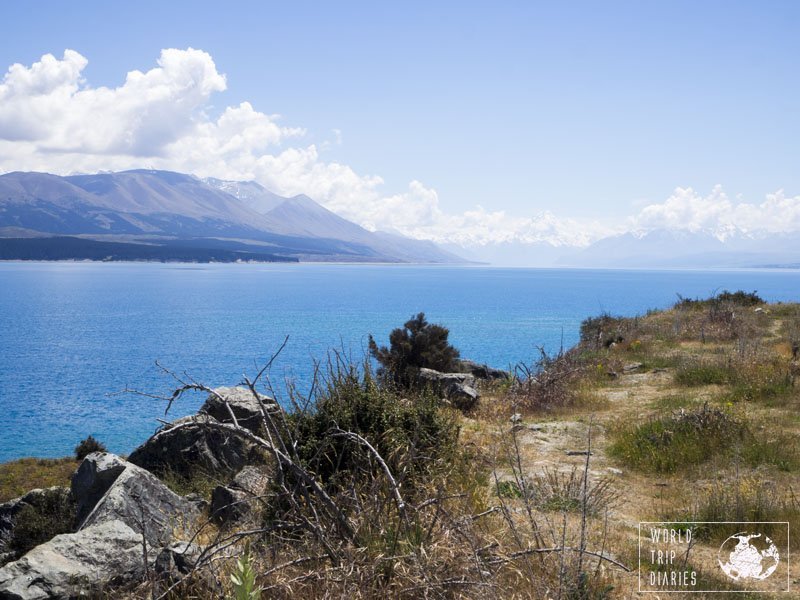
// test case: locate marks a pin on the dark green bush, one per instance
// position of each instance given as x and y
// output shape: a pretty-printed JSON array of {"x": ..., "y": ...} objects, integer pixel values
[
  {"x": 418, "y": 344},
  {"x": 87, "y": 446}
]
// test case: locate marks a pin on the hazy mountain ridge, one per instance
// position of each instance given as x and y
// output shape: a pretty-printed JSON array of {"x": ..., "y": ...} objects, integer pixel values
[{"x": 158, "y": 207}]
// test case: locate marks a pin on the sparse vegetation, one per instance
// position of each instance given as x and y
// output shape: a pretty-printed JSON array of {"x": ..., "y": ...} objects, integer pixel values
[
  {"x": 554, "y": 490},
  {"x": 50, "y": 513},
  {"x": 677, "y": 441},
  {"x": 20, "y": 476},
  {"x": 684, "y": 414}
]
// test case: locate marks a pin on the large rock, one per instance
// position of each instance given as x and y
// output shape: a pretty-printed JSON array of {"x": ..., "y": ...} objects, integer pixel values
[
  {"x": 239, "y": 498},
  {"x": 457, "y": 388},
  {"x": 463, "y": 396},
  {"x": 484, "y": 372},
  {"x": 95, "y": 475},
  {"x": 73, "y": 564},
  {"x": 194, "y": 449},
  {"x": 244, "y": 405},
  {"x": 439, "y": 382},
  {"x": 135, "y": 497}
]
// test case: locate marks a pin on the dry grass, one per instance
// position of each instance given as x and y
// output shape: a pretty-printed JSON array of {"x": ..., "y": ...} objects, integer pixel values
[
  {"x": 515, "y": 511},
  {"x": 20, "y": 476}
]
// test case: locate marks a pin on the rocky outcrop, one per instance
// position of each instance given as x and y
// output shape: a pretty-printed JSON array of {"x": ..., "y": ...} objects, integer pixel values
[
  {"x": 123, "y": 514},
  {"x": 456, "y": 388},
  {"x": 440, "y": 381},
  {"x": 95, "y": 475},
  {"x": 194, "y": 448},
  {"x": 244, "y": 405},
  {"x": 483, "y": 372},
  {"x": 462, "y": 396},
  {"x": 135, "y": 497},
  {"x": 72, "y": 564},
  {"x": 239, "y": 498}
]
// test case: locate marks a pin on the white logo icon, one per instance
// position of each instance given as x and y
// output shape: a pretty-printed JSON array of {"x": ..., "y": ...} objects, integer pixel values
[{"x": 748, "y": 556}]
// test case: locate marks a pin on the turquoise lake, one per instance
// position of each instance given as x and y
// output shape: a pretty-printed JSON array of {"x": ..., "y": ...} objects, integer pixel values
[{"x": 73, "y": 335}]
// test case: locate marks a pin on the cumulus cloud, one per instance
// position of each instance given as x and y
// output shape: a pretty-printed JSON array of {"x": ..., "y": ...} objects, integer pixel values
[
  {"x": 52, "y": 119},
  {"x": 50, "y": 105},
  {"x": 718, "y": 215}
]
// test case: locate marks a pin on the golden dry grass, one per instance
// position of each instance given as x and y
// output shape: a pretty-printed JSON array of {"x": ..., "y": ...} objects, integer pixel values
[{"x": 20, "y": 476}]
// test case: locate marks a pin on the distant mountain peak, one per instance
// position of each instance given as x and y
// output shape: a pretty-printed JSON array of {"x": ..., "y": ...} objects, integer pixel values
[{"x": 153, "y": 206}]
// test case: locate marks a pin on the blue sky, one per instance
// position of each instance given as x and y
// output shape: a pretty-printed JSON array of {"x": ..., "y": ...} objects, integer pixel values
[{"x": 587, "y": 110}]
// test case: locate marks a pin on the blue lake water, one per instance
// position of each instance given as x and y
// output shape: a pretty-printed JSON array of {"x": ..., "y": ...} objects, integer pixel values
[{"x": 73, "y": 334}]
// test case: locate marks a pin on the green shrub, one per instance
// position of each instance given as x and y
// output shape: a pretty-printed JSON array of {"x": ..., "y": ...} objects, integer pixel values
[
  {"x": 48, "y": 514},
  {"x": 413, "y": 434},
  {"x": 670, "y": 443},
  {"x": 418, "y": 344},
  {"x": 87, "y": 446},
  {"x": 685, "y": 438},
  {"x": 737, "y": 298},
  {"x": 701, "y": 372}
]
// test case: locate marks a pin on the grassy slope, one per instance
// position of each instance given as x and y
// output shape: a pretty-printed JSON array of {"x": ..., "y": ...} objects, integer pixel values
[{"x": 734, "y": 457}]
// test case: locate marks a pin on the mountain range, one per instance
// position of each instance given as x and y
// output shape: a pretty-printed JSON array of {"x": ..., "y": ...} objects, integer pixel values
[
  {"x": 161, "y": 215},
  {"x": 169, "y": 216}
]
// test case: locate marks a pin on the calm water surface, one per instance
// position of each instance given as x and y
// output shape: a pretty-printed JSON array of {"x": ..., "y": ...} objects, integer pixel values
[{"x": 74, "y": 334}]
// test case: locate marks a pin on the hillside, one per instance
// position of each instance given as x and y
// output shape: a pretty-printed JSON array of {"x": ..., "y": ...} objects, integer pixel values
[
  {"x": 161, "y": 208},
  {"x": 679, "y": 416}
]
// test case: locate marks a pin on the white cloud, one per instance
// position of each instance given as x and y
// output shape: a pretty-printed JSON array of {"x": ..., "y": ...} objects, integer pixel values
[
  {"x": 717, "y": 214},
  {"x": 52, "y": 120}
]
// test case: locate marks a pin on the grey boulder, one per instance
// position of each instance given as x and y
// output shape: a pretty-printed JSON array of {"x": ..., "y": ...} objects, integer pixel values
[
  {"x": 484, "y": 372},
  {"x": 439, "y": 382},
  {"x": 73, "y": 564},
  {"x": 188, "y": 446},
  {"x": 462, "y": 396},
  {"x": 134, "y": 497},
  {"x": 456, "y": 388},
  {"x": 240, "y": 497},
  {"x": 245, "y": 406},
  {"x": 177, "y": 559}
]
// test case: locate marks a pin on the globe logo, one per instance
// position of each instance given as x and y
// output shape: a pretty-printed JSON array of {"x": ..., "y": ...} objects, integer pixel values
[{"x": 748, "y": 556}]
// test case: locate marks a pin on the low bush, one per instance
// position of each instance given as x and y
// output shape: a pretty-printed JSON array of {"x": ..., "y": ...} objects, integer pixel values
[
  {"x": 749, "y": 499},
  {"x": 604, "y": 330},
  {"x": 87, "y": 446},
  {"x": 691, "y": 437},
  {"x": 702, "y": 372},
  {"x": 738, "y": 298},
  {"x": 548, "y": 384},
  {"x": 667, "y": 444},
  {"x": 49, "y": 514},
  {"x": 412, "y": 432},
  {"x": 555, "y": 490}
]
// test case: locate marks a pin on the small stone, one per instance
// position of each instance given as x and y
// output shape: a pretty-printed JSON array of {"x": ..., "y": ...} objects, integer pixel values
[{"x": 516, "y": 418}]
